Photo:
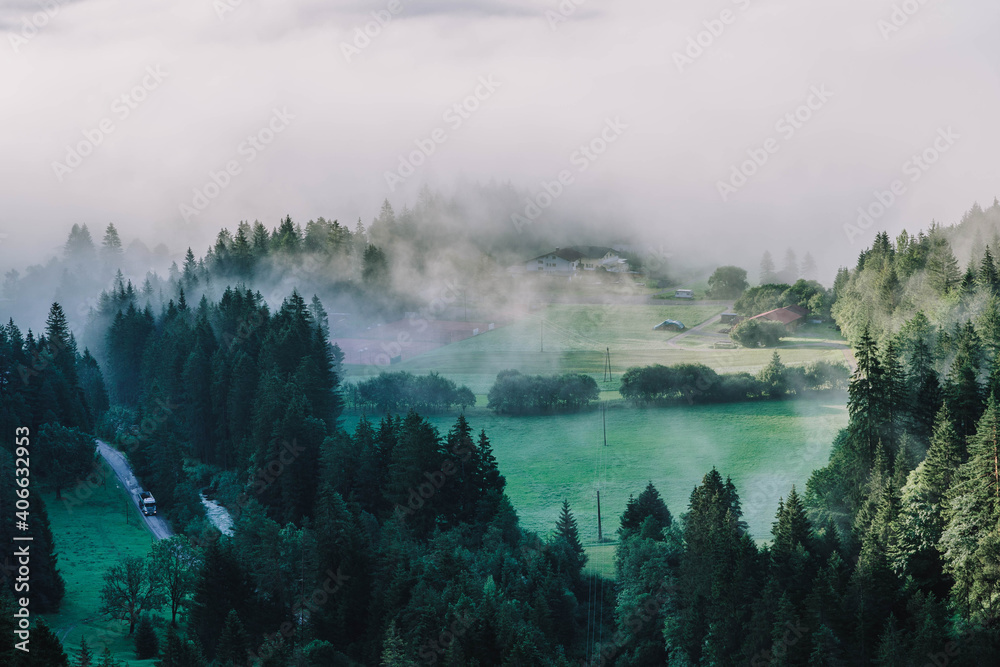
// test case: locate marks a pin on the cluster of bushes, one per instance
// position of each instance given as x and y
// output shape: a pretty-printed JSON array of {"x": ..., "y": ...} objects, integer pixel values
[
  {"x": 697, "y": 383},
  {"x": 758, "y": 333},
  {"x": 515, "y": 393},
  {"x": 393, "y": 392},
  {"x": 806, "y": 293}
]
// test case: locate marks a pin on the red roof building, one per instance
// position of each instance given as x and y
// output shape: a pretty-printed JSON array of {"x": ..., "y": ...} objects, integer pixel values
[{"x": 787, "y": 316}]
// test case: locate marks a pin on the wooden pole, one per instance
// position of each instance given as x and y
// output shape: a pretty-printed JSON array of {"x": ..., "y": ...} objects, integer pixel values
[{"x": 600, "y": 536}]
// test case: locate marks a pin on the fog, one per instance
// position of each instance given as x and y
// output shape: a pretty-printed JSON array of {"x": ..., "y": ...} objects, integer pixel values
[{"x": 170, "y": 94}]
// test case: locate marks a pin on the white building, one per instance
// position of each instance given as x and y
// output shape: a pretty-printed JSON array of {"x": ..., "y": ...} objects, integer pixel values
[
  {"x": 561, "y": 261},
  {"x": 566, "y": 261}
]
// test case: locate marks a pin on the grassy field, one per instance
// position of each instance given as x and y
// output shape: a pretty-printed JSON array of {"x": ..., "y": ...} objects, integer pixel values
[
  {"x": 765, "y": 447},
  {"x": 573, "y": 339},
  {"x": 89, "y": 537}
]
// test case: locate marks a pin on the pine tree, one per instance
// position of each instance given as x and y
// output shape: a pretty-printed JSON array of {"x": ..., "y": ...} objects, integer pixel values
[
  {"x": 808, "y": 267},
  {"x": 718, "y": 574},
  {"x": 242, "y": 252},
  {"x": 108, "y": 659},
  {"x": 46, "y": 649},
  {"x": 895, "y": 397},
  {"x": 964, "y": 393},
  {"x": 792, "y": 527},
  {"x": 826, "y": 649},
  {"x": 393, "y": 650},
  {"x": 926, "y": 387},
  {"x": 79, "y": 246},
  {"x": 942, "y": 268},
  {"x": 988, "y": 277},
  {"x": 790, "y": 271},
  {"x": 971, "y": 537},
  {"x": 637, "y": 510},
  {"x": 189, "y": 277},
  {"x": 866, "y": 397},
  {"x": 767, "y": 274},
  {"x": 233, "y": 643},
  {"x": 568, "y": 534},
  {"x": 111, "y": 247},
  {"x": 84, "y": 656},
  {"x": 892, "y": 646},
  {"x": 772, "y": 377},
  {"x": 146, "y": 643}
]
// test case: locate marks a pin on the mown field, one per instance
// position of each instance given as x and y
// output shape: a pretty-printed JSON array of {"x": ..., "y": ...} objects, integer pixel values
[
  {"x": 764, "y": 446},
  {"x": 89, "y": 537}
]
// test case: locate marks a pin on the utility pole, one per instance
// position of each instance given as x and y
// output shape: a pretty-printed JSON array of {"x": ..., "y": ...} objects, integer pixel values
[
  {"x": 600, "y": 536},
  {"x": 604, "y": 421},
  {"x": 541, "y": 335}
]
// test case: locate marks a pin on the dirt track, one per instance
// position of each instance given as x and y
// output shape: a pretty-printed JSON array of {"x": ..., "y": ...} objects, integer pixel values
[{"x": 157, "y": 525}]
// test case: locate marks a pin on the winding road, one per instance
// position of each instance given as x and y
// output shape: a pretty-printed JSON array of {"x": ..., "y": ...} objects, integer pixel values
[{"x": 157, "y": 525}]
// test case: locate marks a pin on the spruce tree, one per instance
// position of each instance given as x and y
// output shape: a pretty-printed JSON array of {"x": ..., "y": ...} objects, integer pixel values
[
  {"x": 393, "y": 650},
  {"x": 772, "y": 377},
  {"x": 767, "y": 274},
  {"x": 568, "y": 533},
  {"x": 146, "y": 643},
  {"x": 988, "y": 277},
  {"x": 865, "y": 403},
  {"x": 637, "y": 510},
  {"x": 971, "y": 537},
  {"x": 234, "y": 642},
  {"x": 84, "y": 656},
  {"x": 46, "y": 649},
  {"x": 111, "y": 247}
]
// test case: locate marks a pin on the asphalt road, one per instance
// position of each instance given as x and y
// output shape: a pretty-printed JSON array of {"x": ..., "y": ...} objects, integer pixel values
[{"x": 157, "y": 525}]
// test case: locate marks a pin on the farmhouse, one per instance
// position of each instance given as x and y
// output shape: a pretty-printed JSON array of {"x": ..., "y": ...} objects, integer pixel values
[
  {"x": 566, "y": 261},
  {"x": 561, "y": 261},
  {"x": 790, "y": 316}
]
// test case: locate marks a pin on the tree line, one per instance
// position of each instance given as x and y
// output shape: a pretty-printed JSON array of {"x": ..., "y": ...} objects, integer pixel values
[
  {"x": 516, "y": 393},
  {"x": 392, "y": 392},
  {"x": 697, "y": 383}
]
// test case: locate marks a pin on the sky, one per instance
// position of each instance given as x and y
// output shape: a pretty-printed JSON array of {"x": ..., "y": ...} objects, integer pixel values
[{"x": 724, "y": 126}]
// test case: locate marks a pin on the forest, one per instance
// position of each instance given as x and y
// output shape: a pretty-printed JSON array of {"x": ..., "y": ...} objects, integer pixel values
[{"x": 395, "y": 544}]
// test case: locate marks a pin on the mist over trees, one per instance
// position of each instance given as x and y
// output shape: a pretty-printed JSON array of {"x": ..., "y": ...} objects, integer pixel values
[{"x": 886, "y": 557}]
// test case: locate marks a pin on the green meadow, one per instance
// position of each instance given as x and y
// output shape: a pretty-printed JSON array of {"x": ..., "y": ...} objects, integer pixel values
[
  {"x": 89, "y": 537},
  {"x": 764, "y": 446}
]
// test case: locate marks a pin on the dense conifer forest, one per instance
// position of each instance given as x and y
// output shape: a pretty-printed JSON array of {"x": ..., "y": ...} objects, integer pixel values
[{"x": 394, "y": 544}]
